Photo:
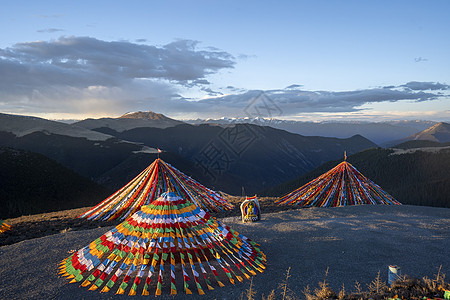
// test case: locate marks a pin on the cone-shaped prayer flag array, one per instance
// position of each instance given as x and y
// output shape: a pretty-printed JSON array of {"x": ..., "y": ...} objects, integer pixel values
[
  {"x": 343, "y": 185},
  {"x": 4, "y": 226},
  {"x": 167, "y": 245},
  {"x": 148, "y": 186}
]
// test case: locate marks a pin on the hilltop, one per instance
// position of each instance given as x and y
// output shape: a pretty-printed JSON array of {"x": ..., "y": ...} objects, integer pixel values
[
  {"x": 130, "y": 121},
  {"x": 439, "y": 133}
]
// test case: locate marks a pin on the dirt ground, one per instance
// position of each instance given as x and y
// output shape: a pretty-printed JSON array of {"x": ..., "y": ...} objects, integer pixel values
[{"x": 353, "y": 243}]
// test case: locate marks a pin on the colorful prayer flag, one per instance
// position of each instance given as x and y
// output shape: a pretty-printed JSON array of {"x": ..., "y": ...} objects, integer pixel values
[
  {"x": 169, "y": 238},
  {"x": 4, "y": 226},
  {"x": 343, "y": 185},
  {"x": 148, "y": 186}
]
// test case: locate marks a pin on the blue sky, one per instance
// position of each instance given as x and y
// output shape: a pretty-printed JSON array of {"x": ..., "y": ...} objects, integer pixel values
[{"x": 346, "y": 60}]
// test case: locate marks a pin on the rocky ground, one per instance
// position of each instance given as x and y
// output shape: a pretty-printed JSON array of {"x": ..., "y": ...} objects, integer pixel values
[{"x": 355, "y": 244}]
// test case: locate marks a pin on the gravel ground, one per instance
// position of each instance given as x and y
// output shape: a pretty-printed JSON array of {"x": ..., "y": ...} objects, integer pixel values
[{"x": 355, "y": 243}]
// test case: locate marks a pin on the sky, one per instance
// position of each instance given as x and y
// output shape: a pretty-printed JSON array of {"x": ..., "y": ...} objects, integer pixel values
[{"x": 302, "y": 60}]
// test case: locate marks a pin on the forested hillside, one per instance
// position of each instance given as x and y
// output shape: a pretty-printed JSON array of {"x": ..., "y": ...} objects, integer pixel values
[
  {"x": 31, "y": 183},
  {"x": 243, "y": 155}
]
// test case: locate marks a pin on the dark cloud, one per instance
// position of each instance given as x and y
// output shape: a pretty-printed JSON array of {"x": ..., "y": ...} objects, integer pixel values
[
  {"x": 234, "y": 89},
  {"x": 294, "y": 86},
  {"x": 49, "y": 30},
  {"x": 141, "y": 40},
  {"x": 75, "y": 71},
  {"x": 291, "y": 101},
  {"x": 211, "y": 92},
  {"x": 424, "y": 86},
  {"x": 201, "y": 82},
  {"x": 84, "y": 61}
]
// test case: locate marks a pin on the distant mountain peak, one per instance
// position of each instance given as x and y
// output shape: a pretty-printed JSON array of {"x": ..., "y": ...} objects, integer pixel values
[
  {"x": 130, "y": 121},
  {"x": 144, "y": 115},
  {"x": 441, "y": 126},
  {"x": 439, "y": 132}
]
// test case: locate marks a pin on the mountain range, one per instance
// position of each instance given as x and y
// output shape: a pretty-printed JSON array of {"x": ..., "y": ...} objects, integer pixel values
[
  {"x": 229, "y": 158},
  {"x": 243, "y": 155},
  {"x": 378, "y": 132},
  {"x": 87, "y": 152},
  {"x": 232, "y": 157}
]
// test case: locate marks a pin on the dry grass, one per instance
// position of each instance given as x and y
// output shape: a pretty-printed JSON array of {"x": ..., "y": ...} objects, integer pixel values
[
  {"x": 341, "y": 294},
  {"x": 403, "y": 288},
  {"x": 377, "y": 285},
  {"x": 323, "y": 292},
  {"x": 250, "y": 293},
  {"x": 271, "y": 296}
]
